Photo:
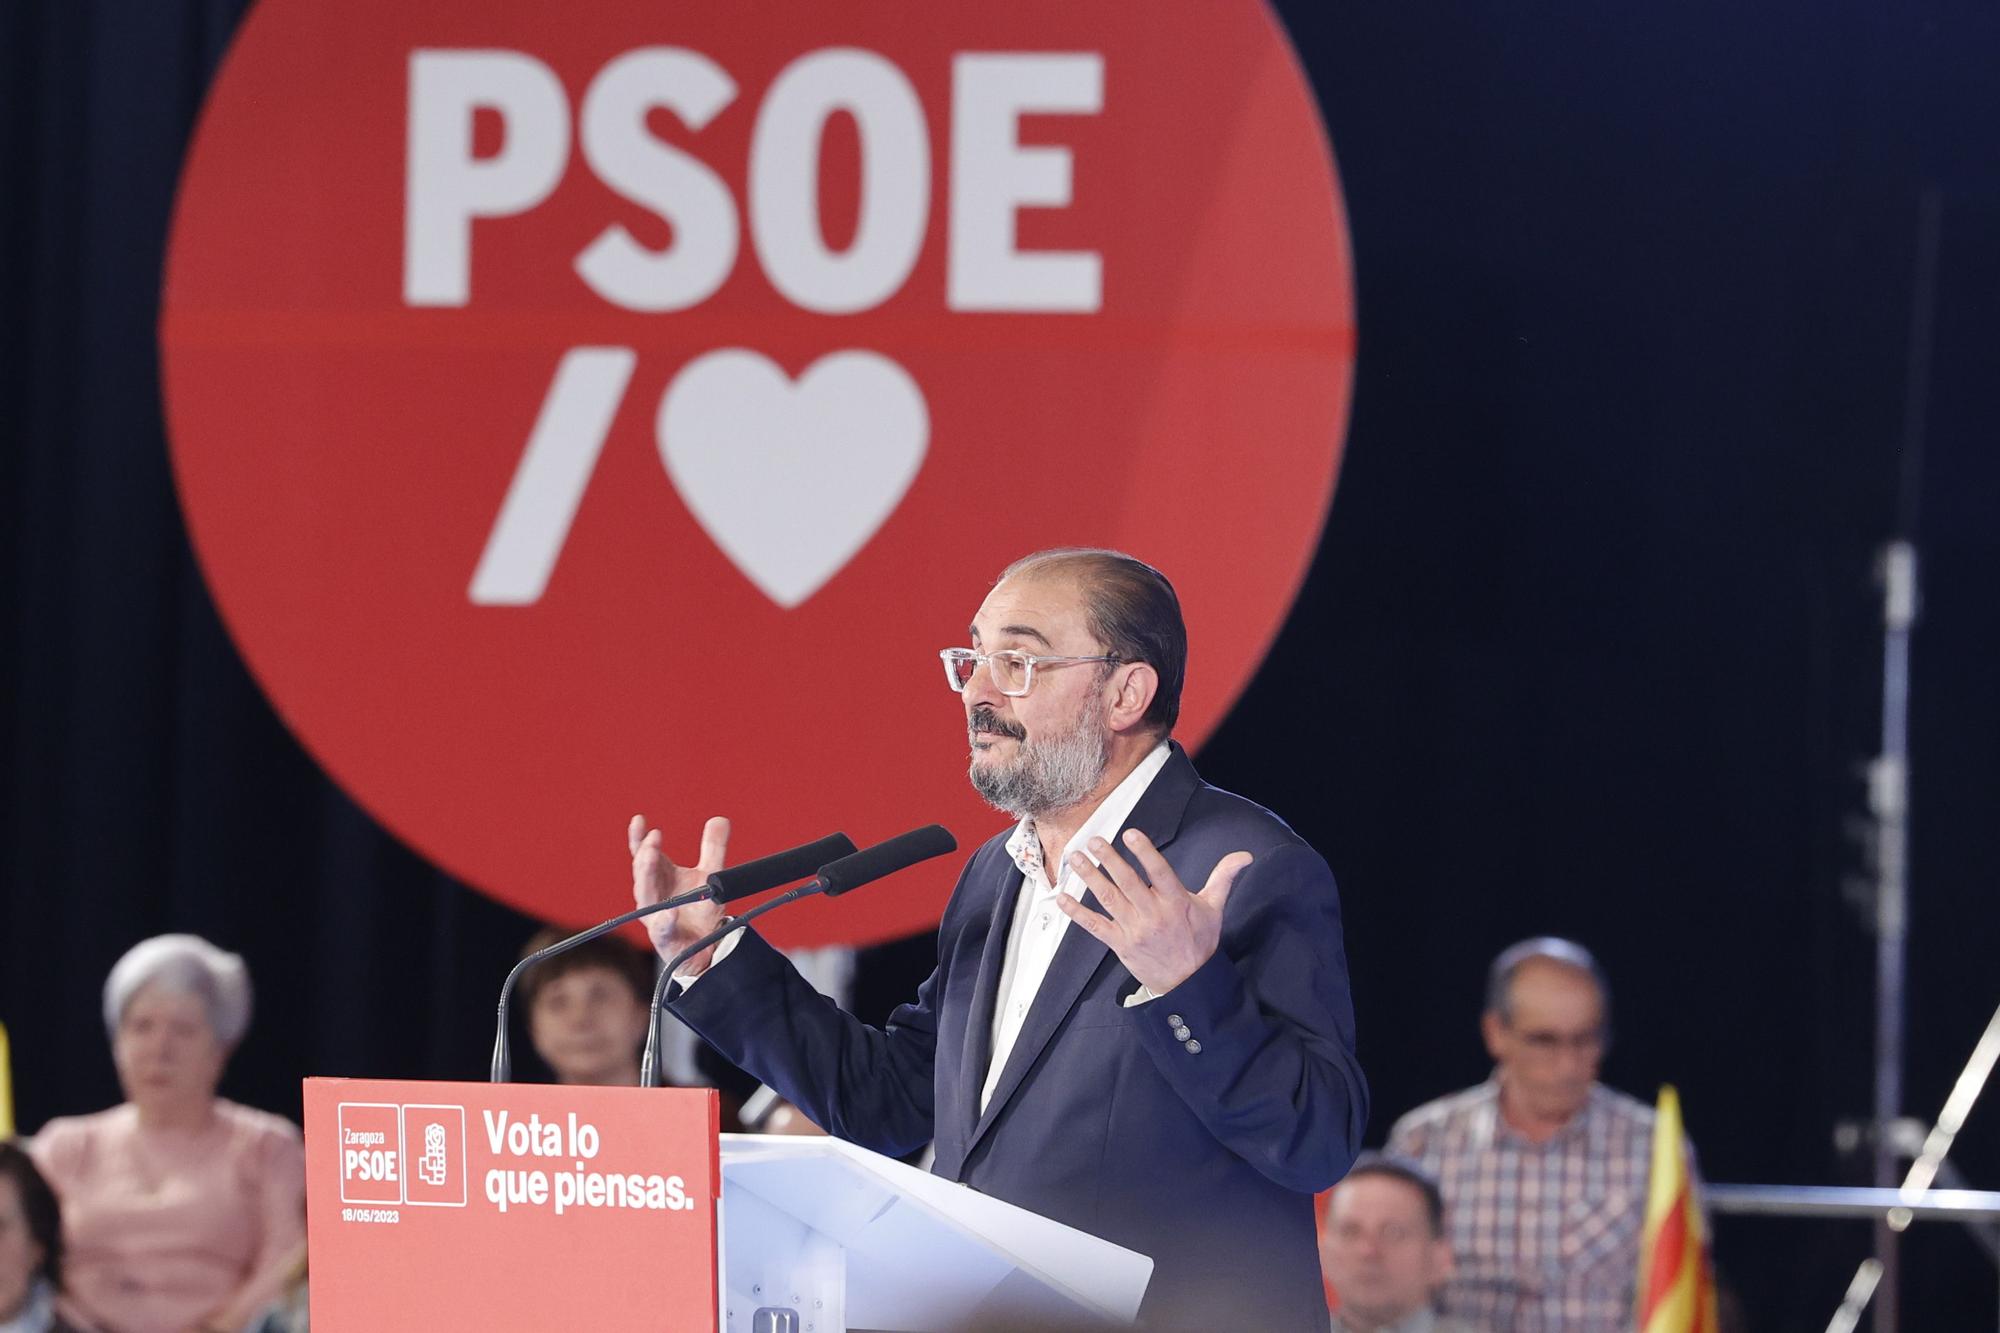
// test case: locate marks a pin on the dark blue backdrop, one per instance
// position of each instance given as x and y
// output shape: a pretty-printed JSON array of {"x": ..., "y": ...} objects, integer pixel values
[{"x": 1590, "y": 646}]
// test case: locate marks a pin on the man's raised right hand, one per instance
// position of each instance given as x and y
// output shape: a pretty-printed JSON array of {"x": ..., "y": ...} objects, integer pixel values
[{"x": 655, "y": 878}]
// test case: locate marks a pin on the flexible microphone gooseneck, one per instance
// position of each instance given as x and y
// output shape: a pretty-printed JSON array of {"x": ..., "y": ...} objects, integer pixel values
[
  {"x": 752, "y": 877},
  {"x": 835, "y": 878}
]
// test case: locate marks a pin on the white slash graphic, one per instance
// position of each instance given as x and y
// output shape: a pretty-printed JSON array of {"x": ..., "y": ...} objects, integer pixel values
[{"x": 548, "y": 484}]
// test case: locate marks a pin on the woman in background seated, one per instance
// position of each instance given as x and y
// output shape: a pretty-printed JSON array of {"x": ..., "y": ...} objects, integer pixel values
[
  {"x": 30, "y": 1248},
  {"x": 588, "y": 1009},
  {"x": 181, "y": 1211}
]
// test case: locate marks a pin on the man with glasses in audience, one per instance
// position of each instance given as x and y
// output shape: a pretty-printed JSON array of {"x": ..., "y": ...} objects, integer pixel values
[
  {"x": 1542, "y": 1167},
  {"x": 1139, "y": 1024}
]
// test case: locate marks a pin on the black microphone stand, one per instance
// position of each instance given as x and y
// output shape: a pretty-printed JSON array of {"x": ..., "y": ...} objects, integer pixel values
[
  {"x": 649, "y": 1065},
  {"x": 503, "y": 1060},
  {"x": 752, "y": 877}
]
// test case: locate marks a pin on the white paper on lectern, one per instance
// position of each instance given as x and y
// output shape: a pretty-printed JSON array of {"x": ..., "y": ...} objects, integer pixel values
[{"x": 893, "y": 1219}]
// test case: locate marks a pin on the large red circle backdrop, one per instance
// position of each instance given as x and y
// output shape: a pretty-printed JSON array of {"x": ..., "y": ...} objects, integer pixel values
[{"x": 612, "y": 409}]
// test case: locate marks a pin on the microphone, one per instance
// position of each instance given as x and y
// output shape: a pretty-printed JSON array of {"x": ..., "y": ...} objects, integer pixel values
[
  {"x": 752, "y": 877},
  {"x": 885, "y": 859},
  {"x": 835, "y": 878},
  {"x": 768, "y": 872}
]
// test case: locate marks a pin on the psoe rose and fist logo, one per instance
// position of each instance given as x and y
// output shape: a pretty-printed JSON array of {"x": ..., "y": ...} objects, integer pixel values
[{"x": 581, "y": 412}]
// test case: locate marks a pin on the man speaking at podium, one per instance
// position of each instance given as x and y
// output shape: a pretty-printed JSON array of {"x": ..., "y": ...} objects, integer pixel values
[{"x": 1139, "y": 1024}]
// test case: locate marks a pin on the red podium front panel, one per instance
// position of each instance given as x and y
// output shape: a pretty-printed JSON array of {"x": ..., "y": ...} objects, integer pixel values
[{"x": 511, "y": 1206}]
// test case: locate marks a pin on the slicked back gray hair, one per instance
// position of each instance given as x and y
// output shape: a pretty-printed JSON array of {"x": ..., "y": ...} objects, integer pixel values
[
  {"x": 1549, "y": 948},
  {"x": 189, "y": 965},
  {"x": 1132, "y": 610}
]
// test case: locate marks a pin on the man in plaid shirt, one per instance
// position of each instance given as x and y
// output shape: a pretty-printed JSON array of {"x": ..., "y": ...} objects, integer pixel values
[{"x": 1543, "y": 1168}]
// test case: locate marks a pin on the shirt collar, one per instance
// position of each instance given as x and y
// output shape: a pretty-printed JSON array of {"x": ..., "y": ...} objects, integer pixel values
[
  {"x": 1576, "y": 1127},
  {"x": 1104, "y": 822}
]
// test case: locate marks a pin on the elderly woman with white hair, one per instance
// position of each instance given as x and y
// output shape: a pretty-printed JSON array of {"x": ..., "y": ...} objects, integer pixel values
[{"x": 181, "y": 1210}]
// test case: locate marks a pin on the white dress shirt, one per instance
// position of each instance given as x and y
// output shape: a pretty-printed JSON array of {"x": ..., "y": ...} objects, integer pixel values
[{"x": 1038, "y": 923}]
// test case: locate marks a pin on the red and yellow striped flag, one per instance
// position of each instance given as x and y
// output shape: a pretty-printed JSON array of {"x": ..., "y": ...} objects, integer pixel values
[
  {"x": 6, "y": 1087},
  {"x": 1676, "y": 1283}
]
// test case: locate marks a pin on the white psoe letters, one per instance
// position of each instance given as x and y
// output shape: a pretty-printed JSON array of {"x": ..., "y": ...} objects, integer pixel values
[
  {"x": 789, "y": 479},
  {"x": 448, "y": 188}
]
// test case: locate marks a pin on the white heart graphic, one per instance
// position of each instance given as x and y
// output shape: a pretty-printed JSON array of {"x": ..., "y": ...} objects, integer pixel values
[{"x": 789, "y": 479}]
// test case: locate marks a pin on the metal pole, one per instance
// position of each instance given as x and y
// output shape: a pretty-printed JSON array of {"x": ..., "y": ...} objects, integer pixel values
[
  {"x": 1888, "y": 800},
  {"x": 1968, "y": 1208},
  {"x": 1889, "y": 775}
]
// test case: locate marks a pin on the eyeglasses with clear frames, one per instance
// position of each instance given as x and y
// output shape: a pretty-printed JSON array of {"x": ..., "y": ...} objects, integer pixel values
[
  {"x": 1013, "y": 673},
  {"x": 1547, "y": 1045}
]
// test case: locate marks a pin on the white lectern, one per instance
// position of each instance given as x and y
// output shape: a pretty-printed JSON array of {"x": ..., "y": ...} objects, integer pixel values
[{"x": 819, "y": 1236}]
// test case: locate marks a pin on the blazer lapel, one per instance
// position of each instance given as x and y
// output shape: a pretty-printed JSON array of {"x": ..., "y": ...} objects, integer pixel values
[
  {"x": 1158, "y": 813},
  {"x": 1077, "y": 960},
  {"x": 986, "y": 991}
]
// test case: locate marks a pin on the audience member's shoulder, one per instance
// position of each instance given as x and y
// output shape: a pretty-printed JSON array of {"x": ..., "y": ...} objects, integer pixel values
[
  {"x": 263, "y": 1126},
  {"x": 63, "y": 1128},
  {"x": 1622, "y": 1106},
  {"x": 66, "y": 1138},
  {"x": 268, "y": 1150},
  {"x": 1454, "y": 1108}
]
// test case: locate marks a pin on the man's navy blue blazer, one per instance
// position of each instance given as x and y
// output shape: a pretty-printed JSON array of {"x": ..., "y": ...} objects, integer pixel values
[{"x": 1203, "y": 1152}]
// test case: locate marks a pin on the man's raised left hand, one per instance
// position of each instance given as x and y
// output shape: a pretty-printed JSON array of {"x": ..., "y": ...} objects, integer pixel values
[{"x": 1160, "y": 931}]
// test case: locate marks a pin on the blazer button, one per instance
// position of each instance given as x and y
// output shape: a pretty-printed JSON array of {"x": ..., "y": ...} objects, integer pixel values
[
  {"x": 1194, "y": 1048},
  {"x": 1181, "y": 1033},
  {"x": 1173, "y": 1020}
]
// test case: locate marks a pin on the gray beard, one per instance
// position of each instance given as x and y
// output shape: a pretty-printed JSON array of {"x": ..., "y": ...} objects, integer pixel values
[{"x": 1050, "y": 775}]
